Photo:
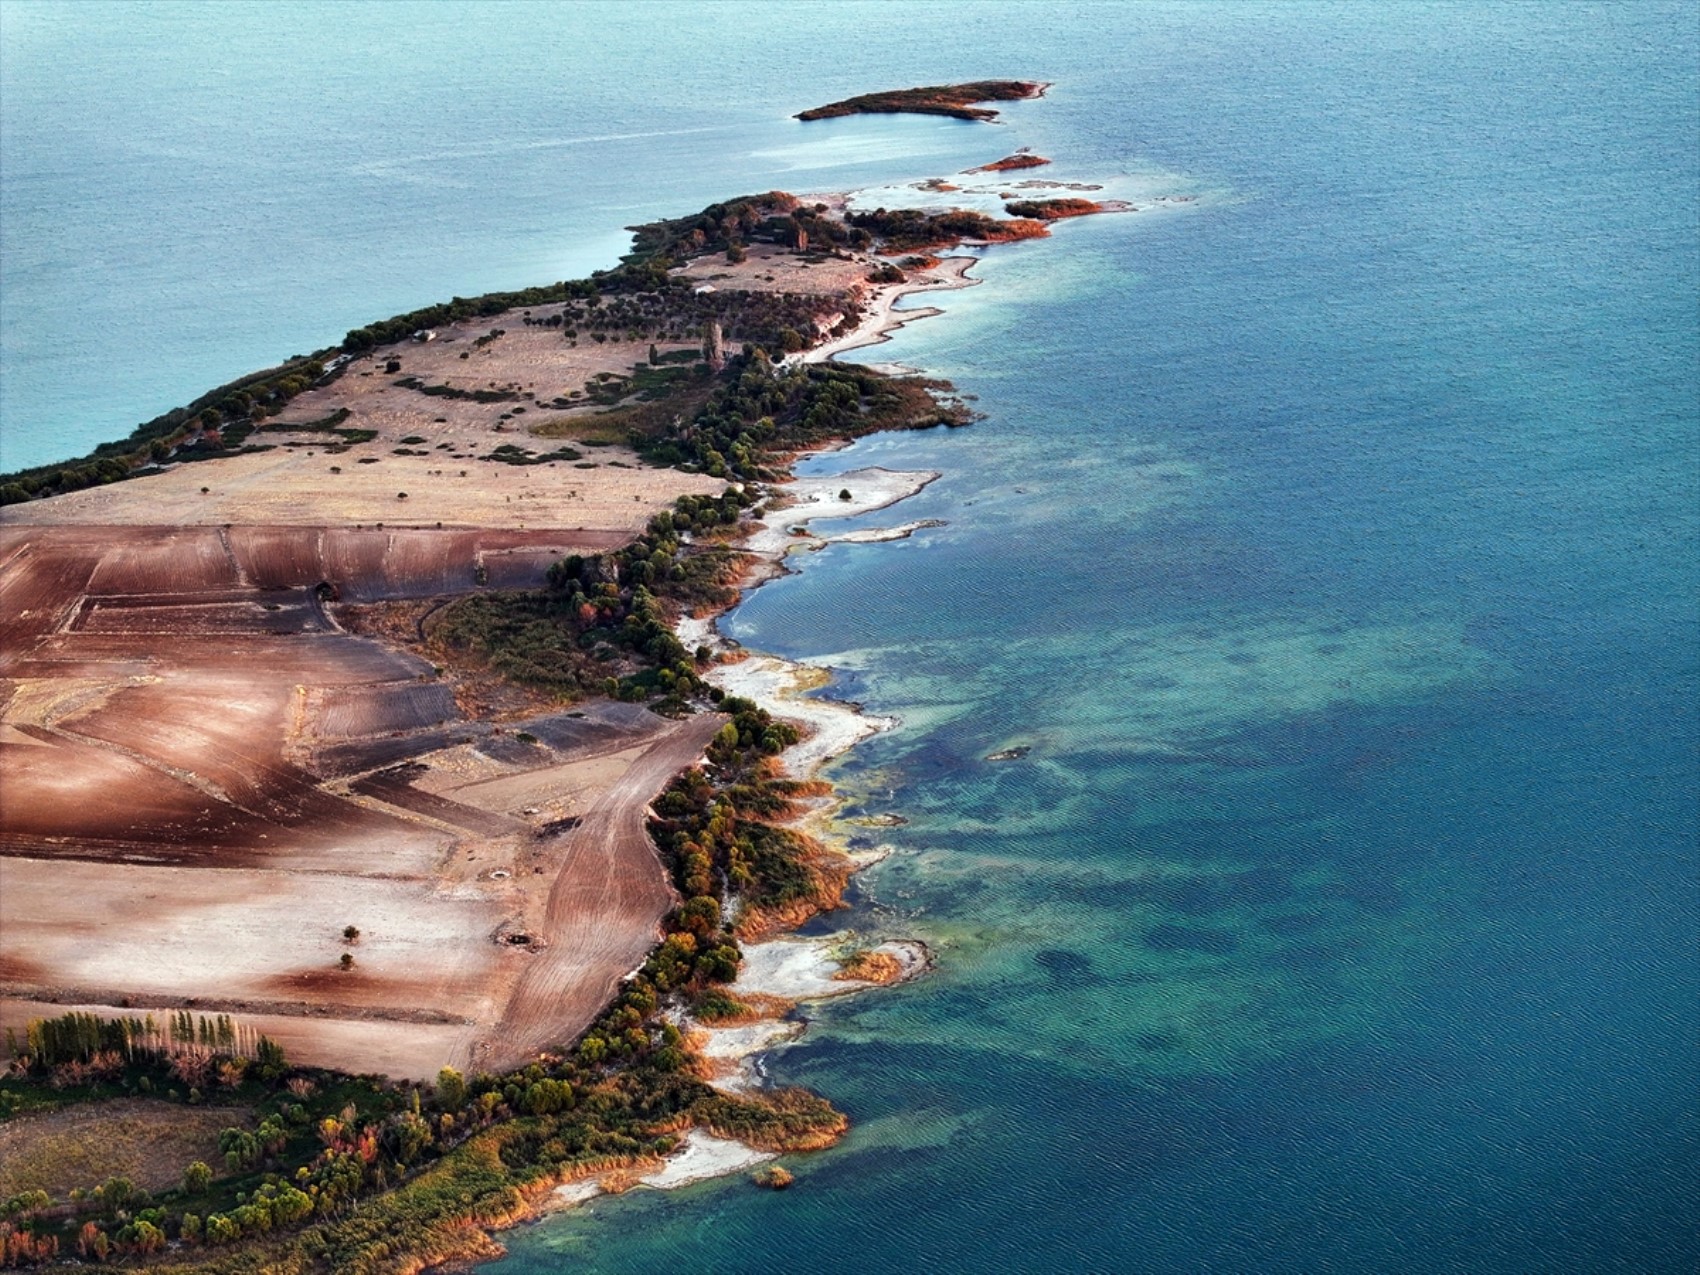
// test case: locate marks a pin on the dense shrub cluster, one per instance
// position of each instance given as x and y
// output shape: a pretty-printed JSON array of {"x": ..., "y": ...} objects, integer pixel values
[
  {"x": 1052, "y": 209},
  {"x": 604, "y": 623},
  {"x": 450, "y": 391},
  {"x": 713, "y": 230},
  {"x": 513, "y": 454},
  {"x": 905, "y": 229},
  {"x": 675, "y": 311},
  {"x": 763, "y": 413},
  {"x": 719, "y": 825}
]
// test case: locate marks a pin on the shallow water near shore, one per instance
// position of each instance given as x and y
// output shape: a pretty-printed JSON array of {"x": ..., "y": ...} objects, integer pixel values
[{"x": 1330, "y": 545}]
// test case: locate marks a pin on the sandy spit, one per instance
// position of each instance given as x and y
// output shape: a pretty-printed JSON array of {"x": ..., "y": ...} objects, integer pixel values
[
  {"x": 881, "y": 319},
  {"x": 700, "y": 1156}
]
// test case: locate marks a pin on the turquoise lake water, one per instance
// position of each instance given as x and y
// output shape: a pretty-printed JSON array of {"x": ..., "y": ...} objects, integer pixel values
[{"x": 1330, "y": 540}]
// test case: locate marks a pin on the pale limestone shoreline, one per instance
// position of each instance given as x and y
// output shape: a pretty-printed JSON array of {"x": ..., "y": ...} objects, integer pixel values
[
  {"x": 700, "y": 1156},
  {"x": 786, "y": 972},
  {"x": 882, "y": 318},
  {"x": 782, "y": 687},
  {"x": 793, "y": 972},
  {"x": 820, "y": 498}
]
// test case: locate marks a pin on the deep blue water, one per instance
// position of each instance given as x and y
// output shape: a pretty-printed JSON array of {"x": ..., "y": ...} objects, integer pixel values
[{"x": 1331, "y": 542}]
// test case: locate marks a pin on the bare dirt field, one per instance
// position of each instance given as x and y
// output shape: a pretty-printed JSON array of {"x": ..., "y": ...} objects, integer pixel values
[
  {"x": 199, "y": 789},
  {"x": 578, "y": 972},
  {"x": 308, "y": 487},
  {"x": 771, "y": 268},
  {"x": 220, "y": 744},
  {"x": 430, "y": 463}
]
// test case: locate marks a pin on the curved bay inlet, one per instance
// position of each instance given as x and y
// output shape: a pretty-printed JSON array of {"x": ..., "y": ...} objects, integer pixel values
[{"x": 1321, "y": 575}]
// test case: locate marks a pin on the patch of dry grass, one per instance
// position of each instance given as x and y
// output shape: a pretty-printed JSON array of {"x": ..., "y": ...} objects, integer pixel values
[
  {"x": 594, "y": 428},
  {"x": 151, "y": 1143},
  {"x": 616, "y": 425}
]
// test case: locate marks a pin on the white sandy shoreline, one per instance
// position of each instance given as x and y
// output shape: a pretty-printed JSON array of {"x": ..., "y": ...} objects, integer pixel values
[
  {"x": 786, "y": 972},
  {"x": 881, "y": 319},
  {"x": 782, "y": 974}
]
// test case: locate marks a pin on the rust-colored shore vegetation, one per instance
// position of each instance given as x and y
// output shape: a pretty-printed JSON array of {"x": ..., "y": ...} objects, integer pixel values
[
  {"x": 1012, "y": 163},
  {"x": 872, "y": 966}
]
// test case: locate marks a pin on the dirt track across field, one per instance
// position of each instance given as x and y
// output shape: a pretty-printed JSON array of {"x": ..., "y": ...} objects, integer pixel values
[
  {"x": 610, "y": 872},
  {"x": 204, "y": 779}
]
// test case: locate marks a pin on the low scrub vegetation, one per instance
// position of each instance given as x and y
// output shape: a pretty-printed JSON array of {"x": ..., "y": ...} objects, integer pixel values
[
  {"x": 513, "y": 454},
  {"x": 1052, "y": 209},
  {"x": 603, "y": 624}
]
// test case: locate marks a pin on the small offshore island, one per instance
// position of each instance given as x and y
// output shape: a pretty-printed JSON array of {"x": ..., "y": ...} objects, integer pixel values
[
  {"x": 365, "y": 731},
  {"x": 955, "y": 100}
]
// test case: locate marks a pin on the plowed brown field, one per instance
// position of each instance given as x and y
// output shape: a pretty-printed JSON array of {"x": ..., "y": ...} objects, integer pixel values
[
  {"x": 205, "y": 774},
  {"x": 204, "y": 779}
]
